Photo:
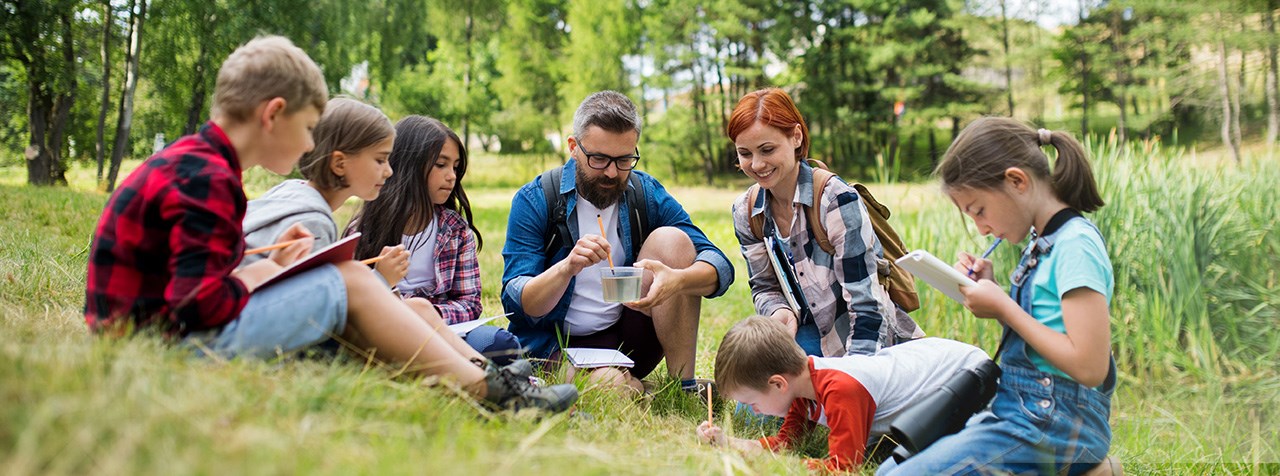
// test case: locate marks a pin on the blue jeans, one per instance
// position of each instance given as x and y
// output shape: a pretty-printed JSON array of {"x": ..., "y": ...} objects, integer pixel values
[
  {"x": 496, "y": 343},
  {"x": 295, "y": 314}
]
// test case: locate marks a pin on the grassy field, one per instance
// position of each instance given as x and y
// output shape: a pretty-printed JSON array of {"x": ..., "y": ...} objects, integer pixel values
[{"x": 1195, "y": 317}]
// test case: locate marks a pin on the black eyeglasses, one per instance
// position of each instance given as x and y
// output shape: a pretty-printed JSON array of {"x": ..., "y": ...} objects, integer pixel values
[{"x": 601, "y": 161}]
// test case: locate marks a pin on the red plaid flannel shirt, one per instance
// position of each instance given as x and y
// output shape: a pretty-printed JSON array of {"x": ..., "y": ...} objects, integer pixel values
[{"x": 168, "y": 240}]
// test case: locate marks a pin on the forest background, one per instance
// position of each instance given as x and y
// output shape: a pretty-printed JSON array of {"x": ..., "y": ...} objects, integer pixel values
[{"x": 1177, "y": 103}]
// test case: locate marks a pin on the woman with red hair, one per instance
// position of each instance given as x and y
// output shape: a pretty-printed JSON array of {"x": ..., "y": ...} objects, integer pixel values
[{"x": 840, "y": 307}]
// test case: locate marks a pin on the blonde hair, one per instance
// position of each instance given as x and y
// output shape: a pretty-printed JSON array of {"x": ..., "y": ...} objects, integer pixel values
[
  {"x": 349, "y": 126},
  {"x": 265, "y": 68},
  {"x": 754, "y": 350}
]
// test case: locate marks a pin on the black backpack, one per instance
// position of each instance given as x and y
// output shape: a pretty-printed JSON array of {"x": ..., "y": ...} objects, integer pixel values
[{"x": 557, "y": 234}]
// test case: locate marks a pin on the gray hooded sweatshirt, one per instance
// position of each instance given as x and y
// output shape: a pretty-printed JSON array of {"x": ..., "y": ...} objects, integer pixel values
[{"x": 290, "y": 202}]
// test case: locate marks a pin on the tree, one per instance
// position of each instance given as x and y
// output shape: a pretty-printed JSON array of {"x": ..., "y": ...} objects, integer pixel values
[
  {"x": 527, "y": 87},
  {"x": 100, "y": 146},
  {"x": 39, "y": 37},
  {"x": 124, "y": 122}
]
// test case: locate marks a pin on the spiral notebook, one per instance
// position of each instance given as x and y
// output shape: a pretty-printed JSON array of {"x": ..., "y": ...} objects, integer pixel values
[{"x": 934, "y": 271}]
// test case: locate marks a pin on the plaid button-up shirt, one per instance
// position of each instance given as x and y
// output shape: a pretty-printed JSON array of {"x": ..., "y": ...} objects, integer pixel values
[
  {"x": 169, "y": 238},
  {"x": 457, "y": 287},
  {"x": 846, "y": 283}
]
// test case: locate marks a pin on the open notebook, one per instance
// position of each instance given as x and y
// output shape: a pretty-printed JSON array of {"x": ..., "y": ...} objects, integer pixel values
[
  {"x": 339, "y": 251},
  {"x": 938, "y": 274},
  {"x": 584, "y": 358}
]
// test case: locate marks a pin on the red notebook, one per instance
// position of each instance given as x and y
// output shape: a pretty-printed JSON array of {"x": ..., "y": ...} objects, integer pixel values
[{"x": 337, "y": 252}]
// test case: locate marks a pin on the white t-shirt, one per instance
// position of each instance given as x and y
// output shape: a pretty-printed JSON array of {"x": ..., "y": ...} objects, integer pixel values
[
  {"x": 588, "y": 312},
  {"x": 422, "y": 260}
]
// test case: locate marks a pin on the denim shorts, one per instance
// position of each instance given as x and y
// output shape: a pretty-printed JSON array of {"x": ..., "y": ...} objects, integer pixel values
[{"x": 295, "y": 314}]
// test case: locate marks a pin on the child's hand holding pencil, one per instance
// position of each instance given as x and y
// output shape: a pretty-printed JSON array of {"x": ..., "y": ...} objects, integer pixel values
[
  {"x": 291, "y": 246},
  {"x": 392, "y": 264}
]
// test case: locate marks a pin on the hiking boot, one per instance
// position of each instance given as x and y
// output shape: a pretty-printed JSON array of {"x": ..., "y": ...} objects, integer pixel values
[
  {"x": 511, "y": 391},
  {"x": 519, "y": 368}
]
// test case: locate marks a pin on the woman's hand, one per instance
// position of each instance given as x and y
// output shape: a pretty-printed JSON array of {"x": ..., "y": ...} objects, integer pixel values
[
  {"x": 394, "y": 264},
  {"x": 788, "y": 319},
  {"x": 287, "y": 255}
]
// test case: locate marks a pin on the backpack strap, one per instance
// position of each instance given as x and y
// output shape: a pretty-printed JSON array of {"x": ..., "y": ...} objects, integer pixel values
[
  {"x": 755, "y": 222},
  {"x": 813, "y": 213},
  {"x": 557, "y": 232},
  {"x": 635, "y": 197}
]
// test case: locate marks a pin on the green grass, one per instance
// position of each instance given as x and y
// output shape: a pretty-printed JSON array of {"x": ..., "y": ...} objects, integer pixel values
[{"x": 1194, "y": 321}]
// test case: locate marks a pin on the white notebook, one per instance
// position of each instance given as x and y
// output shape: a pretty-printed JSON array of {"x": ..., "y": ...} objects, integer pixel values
[
  {"x": 584, "y": 358},
  {"x": 462, "y": 328},
  {"x": 935, "y": 272}
]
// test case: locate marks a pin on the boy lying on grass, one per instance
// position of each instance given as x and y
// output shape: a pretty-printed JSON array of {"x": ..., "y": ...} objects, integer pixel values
[{"x": 856, "y": 396}]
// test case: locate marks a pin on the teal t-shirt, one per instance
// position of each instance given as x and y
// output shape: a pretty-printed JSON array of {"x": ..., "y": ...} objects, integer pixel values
[{"x": 1078, "y": 260}]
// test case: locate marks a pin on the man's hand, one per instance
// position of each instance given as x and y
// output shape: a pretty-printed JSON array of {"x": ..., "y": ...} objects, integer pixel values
[
  {"x": 666, "y": 284},
  {"x": 589, "y": 250},
  {"x": 287, "y": 255},
  {"x": 395, "y": 265}
]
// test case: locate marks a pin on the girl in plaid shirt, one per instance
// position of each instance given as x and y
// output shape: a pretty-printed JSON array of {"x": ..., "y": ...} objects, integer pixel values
[{"x": 426, "y": 210}]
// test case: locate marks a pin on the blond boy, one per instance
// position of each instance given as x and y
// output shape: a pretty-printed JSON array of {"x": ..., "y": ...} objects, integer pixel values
[
  {"x": 166, "y": 250},
  {"x": 856, "y": 396}
]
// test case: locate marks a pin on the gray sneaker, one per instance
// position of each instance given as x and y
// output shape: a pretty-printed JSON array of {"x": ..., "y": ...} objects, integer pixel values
[
  {"x": 514, "y": 392},
  {"x": 520, "y": 368}
]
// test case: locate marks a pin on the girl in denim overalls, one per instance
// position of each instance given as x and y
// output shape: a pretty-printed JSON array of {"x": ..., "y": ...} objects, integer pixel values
[{"x": 1050, "y": 412}]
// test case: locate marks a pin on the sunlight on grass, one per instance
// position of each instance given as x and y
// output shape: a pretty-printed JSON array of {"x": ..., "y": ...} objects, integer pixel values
[{"x": 1196, "y": 255}]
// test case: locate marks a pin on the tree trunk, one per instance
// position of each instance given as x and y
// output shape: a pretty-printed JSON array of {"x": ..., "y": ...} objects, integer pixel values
[
  {"x": 48, "y": 110},
  {"x": 1235, "y": 95},
  {"x": 1008, "y": 64},
  {"x": 1224, "y": 90},
  {"x": 100, "y": 146},
  {"x": 195, "y": 110},
  {"x": 124, "y": 124},
  {"x": 1273, "y": 94}
]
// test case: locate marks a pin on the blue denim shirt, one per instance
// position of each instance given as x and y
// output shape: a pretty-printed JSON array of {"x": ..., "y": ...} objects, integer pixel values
[{"x": 523, "y": 257}]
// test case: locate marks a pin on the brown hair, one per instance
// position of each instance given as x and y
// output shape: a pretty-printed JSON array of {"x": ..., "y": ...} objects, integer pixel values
[
  {"x": 265, "y": 68},
  {"x": 405, "y": 204},
  {"x": 349, "y": 126},
  {"x": 988, "y": 146},
  {"x": 771, "y": 106},
  {"x": 754, "y": 350}
]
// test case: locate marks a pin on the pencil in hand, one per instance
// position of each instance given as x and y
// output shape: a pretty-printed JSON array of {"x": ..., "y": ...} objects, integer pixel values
[
  {"x": 373, "y": 260},
  {"x": 282, "y": 244}
]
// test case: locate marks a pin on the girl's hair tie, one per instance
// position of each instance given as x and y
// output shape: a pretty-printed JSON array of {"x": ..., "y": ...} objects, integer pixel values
[{"x": 1046, "y": 136}]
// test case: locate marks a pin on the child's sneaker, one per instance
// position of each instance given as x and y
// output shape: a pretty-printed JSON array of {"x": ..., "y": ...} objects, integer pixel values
[
  {"x": 520, "y": 368},
  {"x": 514, "y": 392}
]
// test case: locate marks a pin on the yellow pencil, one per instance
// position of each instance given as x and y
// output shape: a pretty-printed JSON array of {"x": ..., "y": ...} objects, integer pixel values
[
  {"x": 709, "y": 406},
  {"x": 600, "y": 221},
  {"x": 276, "y": 246},
  {"x": 372, "y": 260}
]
